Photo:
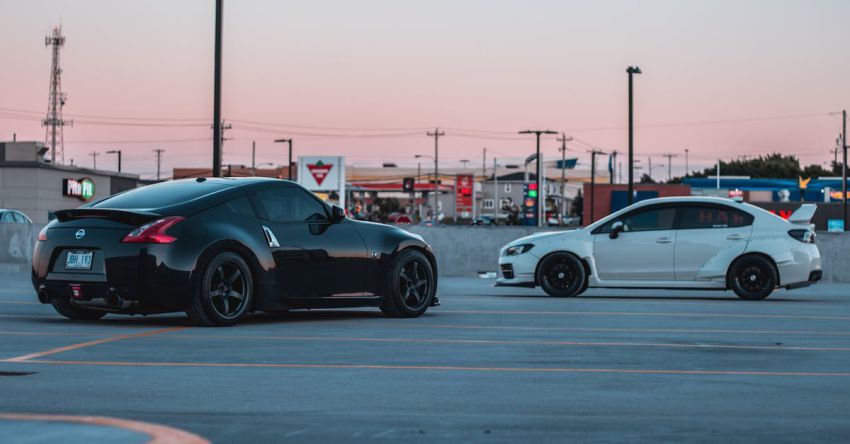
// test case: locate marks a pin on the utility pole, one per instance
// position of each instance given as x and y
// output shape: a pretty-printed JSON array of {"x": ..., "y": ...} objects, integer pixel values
[
  {"x": 53, "y": 122},
  {"x": 119, "y": 157},
  {"x": 631, "y": 70},
  {"x": 687, "y": 168},
  {"x": 650, "y": 167},
  {"x": 564, "y": 139},
  {"x": 94, "y": 155},
  {"x": 844, "y": 167},
  {"x": 593, "y": 182},
  {"x": 253, "y": 158},
  {"x": 436, "y": 134},
  {"x": 496, "y": 207},
  {"x": 288, "y": 168},
  {"x": 484, "y": 165},
  {"x": 539, "y": 172},
  {"x": 217, "y": 130},
  {"x": 158, "y": 152},
  {"x": 670, "y": 157},
  {"x": 613, "y": 166}
]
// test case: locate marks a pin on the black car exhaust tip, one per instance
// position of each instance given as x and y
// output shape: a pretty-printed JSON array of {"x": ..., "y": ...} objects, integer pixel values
[
  {"x": 114, "y": 299},
  {"x": 43, "y": 297}
]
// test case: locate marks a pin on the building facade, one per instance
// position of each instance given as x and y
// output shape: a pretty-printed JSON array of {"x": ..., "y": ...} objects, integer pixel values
[{"x": 30, "y": 184}]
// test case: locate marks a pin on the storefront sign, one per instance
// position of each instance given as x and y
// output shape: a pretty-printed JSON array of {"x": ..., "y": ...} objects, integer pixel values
[
  {"x": 463, "y": 196},
  {"x": 82, "y": 189}
]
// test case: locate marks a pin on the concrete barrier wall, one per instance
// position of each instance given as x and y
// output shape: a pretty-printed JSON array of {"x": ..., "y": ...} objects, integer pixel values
[
  {"x": 461, "y": 251},
  {"x": 468, "y": 250}
]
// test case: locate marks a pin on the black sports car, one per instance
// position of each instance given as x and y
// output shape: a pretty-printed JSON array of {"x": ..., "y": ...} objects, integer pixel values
[{"x": 221, "y": 248}]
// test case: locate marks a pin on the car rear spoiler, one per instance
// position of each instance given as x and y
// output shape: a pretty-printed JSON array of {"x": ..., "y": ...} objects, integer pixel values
[
  {"x": 803, "y": 215},
  {"x": 123, "y": 216}
]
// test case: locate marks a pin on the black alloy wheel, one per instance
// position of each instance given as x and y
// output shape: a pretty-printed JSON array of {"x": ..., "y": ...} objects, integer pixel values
[
  {"x": 225, "y": 292},
  {"x": 411, "y": 285},
  {"x": 752, "y": 278},
  {"x": 562, "y": 275}
]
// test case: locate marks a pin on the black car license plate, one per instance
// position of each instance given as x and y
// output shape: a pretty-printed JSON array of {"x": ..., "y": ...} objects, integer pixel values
[{"x": 78, "y": 260}]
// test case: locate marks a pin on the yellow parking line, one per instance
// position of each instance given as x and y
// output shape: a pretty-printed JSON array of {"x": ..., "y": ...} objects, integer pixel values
[
  {"x": 90, "y": 343},
  {"x": 447, "y": 368},
  {"x": 159, "y": 434}
]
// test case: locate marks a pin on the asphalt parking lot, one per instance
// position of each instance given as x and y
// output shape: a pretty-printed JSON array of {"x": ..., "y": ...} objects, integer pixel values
[{"x": 490, "y": 364}]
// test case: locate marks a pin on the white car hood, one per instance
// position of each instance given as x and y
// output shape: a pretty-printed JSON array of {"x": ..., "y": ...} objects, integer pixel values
[{"x": 540, "y": 236}]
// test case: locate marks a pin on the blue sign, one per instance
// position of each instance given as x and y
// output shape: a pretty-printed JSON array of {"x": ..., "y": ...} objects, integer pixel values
[
  {"x": 835, "y": 225},
  {"x": 567, "y": 164}
]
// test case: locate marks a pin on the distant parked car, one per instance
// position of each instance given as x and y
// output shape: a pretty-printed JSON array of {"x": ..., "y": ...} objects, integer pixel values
[
  {"x": 483, "y": 220},
  {"x": 671, "y": 243},
  {"x": 13, "y": 217}
]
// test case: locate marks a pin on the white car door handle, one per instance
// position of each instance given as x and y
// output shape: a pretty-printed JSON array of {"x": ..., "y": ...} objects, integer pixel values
[
  {"x": 734, "y": 237},
  {"x": 663, "y": 240}
]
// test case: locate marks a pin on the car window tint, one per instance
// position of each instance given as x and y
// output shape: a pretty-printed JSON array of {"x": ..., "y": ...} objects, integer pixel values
[
  {"x": 7, "y": 218},
  {"x": 712, "y": 217},
  {"x": 290, "y": 205},
  {"x": 161, "y": 195},
  {"x": 242, "y": 206},
  {"x": 20, "y": 218},
  {"x": 661, "y": 219}
]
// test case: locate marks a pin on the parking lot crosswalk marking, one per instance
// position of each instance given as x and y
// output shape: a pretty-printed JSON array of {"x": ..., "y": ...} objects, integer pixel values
[{"x": 80, "y": 345}]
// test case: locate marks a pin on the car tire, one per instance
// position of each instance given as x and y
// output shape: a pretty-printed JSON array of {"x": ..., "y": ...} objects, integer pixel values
[
  {"x": 752, "y": 277},
  {"x": 223, "y": 293},
  {"x": 66, "y": 308},
  {"x": 562, "y": 275},
  {"x": 410, "y": 287}
]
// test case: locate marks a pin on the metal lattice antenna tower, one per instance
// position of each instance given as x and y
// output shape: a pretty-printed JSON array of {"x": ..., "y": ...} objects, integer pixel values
[{"x": 53, "y": 122}]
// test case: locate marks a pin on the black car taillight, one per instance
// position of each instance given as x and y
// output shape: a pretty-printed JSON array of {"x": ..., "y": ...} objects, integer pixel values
[
  {"x": 804, "y": 236},
  {"x": 154, "y": 232}
]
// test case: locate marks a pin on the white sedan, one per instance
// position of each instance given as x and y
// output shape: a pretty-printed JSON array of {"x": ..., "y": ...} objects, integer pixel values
[{"x": 671, "y": 243}]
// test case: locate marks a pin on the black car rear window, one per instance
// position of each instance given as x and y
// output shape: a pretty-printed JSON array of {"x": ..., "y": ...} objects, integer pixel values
[{"x": 161, "y": 195}]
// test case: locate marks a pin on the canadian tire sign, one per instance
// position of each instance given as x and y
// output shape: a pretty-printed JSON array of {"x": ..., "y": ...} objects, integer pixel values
[
  {"x": 319, "y": 171},
  {"x": 324, "y": 175}
]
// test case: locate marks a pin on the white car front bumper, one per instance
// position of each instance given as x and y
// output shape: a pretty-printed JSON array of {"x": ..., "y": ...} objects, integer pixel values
[{"x": 517, "y": 271}]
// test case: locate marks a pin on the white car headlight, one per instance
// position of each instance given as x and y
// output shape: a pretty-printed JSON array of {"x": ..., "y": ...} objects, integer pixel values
[{"x": 518, "y": 249}]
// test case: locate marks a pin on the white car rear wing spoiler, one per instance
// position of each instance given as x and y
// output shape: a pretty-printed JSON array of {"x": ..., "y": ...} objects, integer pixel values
[{"x": 803, "y": 215}]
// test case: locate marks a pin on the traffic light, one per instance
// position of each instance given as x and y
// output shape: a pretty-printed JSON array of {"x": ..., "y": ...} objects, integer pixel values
[
  {"x": 408, "y": 185},
  {"x": 532, "y": 190}
]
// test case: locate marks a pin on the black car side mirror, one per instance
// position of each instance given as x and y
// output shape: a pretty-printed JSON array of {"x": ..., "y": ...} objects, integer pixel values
[
  {"x": 337, "y": 214},
  {"x": 616, "y": 228}
]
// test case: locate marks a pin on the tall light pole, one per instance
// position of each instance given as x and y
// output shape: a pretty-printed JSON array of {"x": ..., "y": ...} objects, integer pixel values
[
  {"x": 844, "y": 167},
  {"x": 216, "y": 169},
  {"x": 539, "y": 171},
  {"x": 118, "y": 152},
  {"x": 158, "y": 152},
  {"x": 564, "y": 139},
  {"x": 436, "y": 134},
  {"x": 420, "y": 156},
  {"x": 632, "y": 70},
  {"x": 289, "y": 168}
]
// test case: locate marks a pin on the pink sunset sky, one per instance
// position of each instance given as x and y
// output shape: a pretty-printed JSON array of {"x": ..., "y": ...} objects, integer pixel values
[{"x": 365, "y": 79}]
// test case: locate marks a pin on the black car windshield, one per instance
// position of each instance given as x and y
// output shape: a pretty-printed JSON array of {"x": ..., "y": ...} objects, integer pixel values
[{"x": 161, "y": 195}]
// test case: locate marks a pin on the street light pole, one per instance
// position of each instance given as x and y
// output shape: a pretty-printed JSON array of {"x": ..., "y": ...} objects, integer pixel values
[
  {"x": 289, "y": 167},
  {"x": 632, "y": 70},
  {"x": 539, "y": 171},
  {"x": 119, "y": 157},
  {"x": 844, "y": 167},
  {"x": 216, "y": 169},
  {"x": 564, "y": 139},
  {"x": 436, "y": 135}
]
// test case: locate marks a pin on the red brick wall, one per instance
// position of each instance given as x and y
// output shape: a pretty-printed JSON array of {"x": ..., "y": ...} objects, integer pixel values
[{"x": 602, "y": 201}]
